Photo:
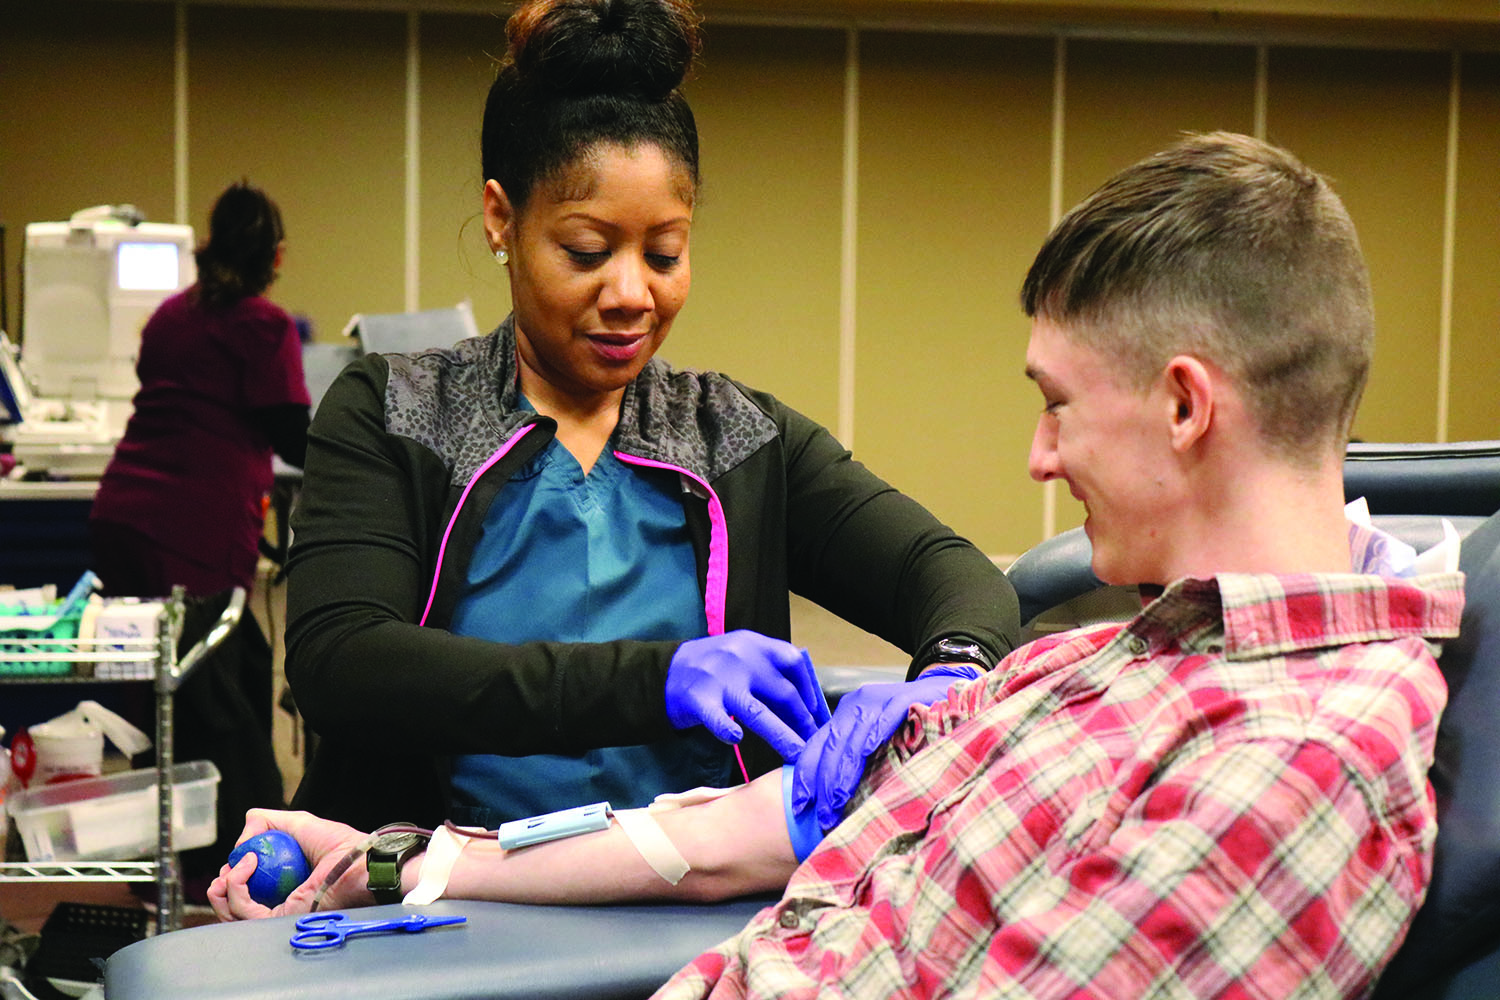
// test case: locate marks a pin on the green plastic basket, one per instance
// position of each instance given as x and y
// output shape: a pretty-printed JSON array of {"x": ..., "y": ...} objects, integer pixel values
[{"x": 18, "y": 636}]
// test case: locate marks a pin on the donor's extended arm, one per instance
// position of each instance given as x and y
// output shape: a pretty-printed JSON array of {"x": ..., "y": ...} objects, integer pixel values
[{"x": 735, "y": 845}]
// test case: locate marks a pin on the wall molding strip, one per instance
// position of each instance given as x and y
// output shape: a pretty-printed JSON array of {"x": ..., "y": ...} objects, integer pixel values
[
  {"x": 413, "y": 260},
  {"x": 180, "y": 116},
  {"x": 1450, "y": 227},
  {"x": 1054, "y": 216},
  {"x": 849, "y": 242},
  {"x": 1262, "y": 90}
]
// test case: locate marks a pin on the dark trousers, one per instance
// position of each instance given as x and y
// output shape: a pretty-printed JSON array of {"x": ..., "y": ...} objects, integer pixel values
[{"x": 223, "y": 708}]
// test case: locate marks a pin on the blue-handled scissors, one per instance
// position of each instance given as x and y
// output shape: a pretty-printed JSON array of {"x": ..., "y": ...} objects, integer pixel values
[{"x": 330, "y": 930}]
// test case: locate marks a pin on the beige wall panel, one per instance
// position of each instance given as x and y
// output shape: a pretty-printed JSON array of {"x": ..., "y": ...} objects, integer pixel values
[
  {"x": 765, "y": 248},
  {"x": 1126, "y": 100},
  {"x": 86, "y": 90},
  {"x": 459, "y": 55},
  {"x": 1474, "y": 396},
  {"x": 310, "y": 105},
  {"x": 1376, "y": 124},
  {"x": 953, "y": 180}
]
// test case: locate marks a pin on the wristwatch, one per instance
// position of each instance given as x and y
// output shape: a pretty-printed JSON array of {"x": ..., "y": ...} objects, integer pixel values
[
  {"x": 384, "y": 858},
  {"x": 956, "y": 649}
]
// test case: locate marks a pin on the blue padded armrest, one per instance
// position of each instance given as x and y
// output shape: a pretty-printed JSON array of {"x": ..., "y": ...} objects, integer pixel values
[
  {"x": 1053, "y": 572},
  {"x": 1457, "y": 478},
  {"x": 503, "y": 951},
  {"x": 839, "y": 681},
  {"x": 1461, "y": 916},
  {"x": 1057, "y": 570}
]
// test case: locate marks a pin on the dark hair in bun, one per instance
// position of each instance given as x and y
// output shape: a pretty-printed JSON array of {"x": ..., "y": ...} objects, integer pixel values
[
  {"x": 578, "y": 73},
  {"x": 239, "y": 258}
]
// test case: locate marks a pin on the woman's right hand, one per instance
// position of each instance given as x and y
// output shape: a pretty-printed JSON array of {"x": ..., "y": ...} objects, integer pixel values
[
  {"x": 766, "y": 684},
  {"x": 324, "y": 843}
]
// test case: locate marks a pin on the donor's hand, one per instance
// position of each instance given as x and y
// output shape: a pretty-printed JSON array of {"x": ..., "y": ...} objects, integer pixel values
[{"x": 323, "y": 842}]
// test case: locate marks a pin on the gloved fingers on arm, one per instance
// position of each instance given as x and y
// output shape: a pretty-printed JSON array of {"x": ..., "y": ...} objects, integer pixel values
[
  {"x": 789, "y": 701},
  {"x": 834, "y": 761},
  {"x": 843, "y": 763},
  {"x": 865, "y": 719},
  {"x": 769, "y": 724},
  {"x": 805, "y": 769},
  {"x": 810, "y": 690}
]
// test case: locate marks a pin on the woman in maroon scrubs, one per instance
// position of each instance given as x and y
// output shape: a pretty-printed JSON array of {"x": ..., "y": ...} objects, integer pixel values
[{"x": 183, "y": 499}]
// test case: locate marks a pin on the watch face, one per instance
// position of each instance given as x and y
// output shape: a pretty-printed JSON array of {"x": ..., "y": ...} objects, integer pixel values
[
  {"x": 959, "y": 651},
  {"x": 395, "y": 843}
]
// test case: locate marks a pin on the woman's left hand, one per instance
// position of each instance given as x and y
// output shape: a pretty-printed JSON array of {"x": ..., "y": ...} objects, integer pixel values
[{"x": 833, "y": 762}]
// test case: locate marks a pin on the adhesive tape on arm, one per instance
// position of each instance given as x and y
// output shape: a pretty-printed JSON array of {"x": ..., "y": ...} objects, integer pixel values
[
  {"x": 647, "y": 836},
  {"x": 437, "y": 866}
]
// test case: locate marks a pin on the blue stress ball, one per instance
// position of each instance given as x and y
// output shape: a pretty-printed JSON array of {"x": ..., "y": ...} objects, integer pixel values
[{"x": 279, "y": 866}]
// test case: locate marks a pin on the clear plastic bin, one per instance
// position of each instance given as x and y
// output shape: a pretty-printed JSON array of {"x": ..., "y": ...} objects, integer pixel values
[{"x": 114, "y": 818}]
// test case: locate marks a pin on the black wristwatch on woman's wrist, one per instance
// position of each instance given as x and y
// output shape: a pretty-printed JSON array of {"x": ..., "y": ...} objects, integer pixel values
[{"x": 954, "y": 649}]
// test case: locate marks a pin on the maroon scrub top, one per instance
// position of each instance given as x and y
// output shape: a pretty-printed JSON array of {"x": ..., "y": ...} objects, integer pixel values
[{"x": 193, "y": 469}]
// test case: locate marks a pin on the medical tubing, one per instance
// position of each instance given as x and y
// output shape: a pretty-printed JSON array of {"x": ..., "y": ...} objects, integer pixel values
[{"x": 803, "y": 828}]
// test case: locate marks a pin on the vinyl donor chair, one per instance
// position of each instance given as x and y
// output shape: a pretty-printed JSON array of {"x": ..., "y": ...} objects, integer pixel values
[
  {"x": 513, "y": 951},
  {"x": 1408, "y": 488},
  {"x": 1452, "y": 951}
]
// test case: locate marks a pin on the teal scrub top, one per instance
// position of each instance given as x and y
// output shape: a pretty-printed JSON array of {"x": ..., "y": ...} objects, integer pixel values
[{"x": 566, "y": 557}]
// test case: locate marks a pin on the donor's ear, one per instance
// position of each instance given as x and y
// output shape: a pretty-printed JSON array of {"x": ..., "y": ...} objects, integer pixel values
[{"x": 1190, "y": 388}]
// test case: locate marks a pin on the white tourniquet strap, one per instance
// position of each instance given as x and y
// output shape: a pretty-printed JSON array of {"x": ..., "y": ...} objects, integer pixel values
[
  {"x": 647, "y": 836},
  {"x": 437, "y": 865}
]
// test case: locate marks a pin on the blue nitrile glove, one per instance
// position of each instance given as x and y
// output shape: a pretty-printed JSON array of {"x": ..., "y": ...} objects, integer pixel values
[
  {"x": 834, "y": 759},
  {"x": 767, "y": 684}
]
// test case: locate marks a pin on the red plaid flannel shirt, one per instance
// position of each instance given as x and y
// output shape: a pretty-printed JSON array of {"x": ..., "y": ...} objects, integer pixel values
[{"x": 1225, "y": 797}]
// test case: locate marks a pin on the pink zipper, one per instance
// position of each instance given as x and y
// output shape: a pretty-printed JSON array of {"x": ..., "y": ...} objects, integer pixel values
[{"x": 716, "y": 584}]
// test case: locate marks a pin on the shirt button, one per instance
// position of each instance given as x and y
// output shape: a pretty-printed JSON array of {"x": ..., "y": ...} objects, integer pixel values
[
  {"x": 790, "y": 920},
  {"x": 1136, "y": 645}
]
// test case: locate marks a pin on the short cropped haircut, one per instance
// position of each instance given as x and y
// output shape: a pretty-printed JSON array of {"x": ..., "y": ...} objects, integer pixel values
[{"x": 1231, "y": 250}]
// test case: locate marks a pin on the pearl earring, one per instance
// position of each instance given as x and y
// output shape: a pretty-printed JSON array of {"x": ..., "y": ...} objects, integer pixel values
[{"x": 502, "y": 255}]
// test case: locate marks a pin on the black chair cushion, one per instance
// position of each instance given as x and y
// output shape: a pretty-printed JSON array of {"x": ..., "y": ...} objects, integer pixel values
[
  {"x": 1455, "y": 478},
  {"x": 1461, "y": 917},
  {"x": 1056, "y": 572},
  {"x": 1460, "y": 920}
]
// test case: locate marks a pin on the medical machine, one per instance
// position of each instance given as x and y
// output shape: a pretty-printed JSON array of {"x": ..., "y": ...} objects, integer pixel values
[{"x": 88, "y": 286}]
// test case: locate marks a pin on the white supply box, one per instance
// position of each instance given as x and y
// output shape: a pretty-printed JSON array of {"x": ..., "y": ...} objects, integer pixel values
[
  {"x": 114, "y": 818},
  {"x": 125, "y": 624}
]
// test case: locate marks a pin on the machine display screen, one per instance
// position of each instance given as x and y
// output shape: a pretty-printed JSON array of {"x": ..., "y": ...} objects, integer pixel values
[{"x": 147, "y": 267}]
